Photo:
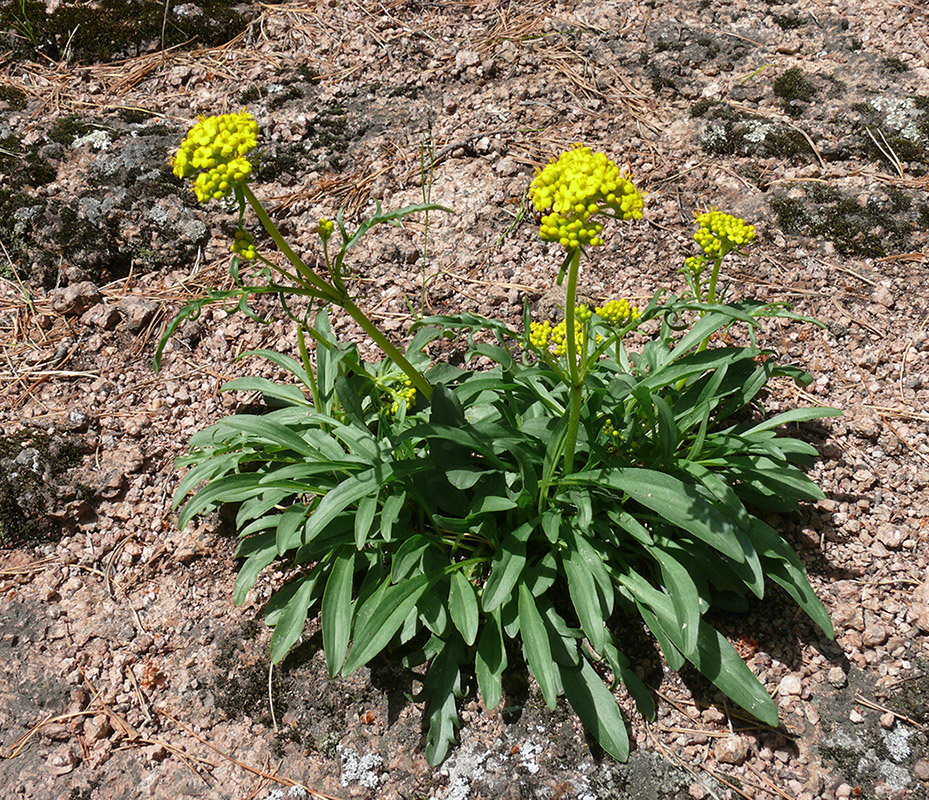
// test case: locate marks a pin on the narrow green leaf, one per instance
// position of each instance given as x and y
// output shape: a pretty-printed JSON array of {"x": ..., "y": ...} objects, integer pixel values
[
  {"x": 536, "y": 646},
  {"x": 383, "y": 621},
  {"x": 794, "y": 415},
  {"x": 290, "y": 624},
  {"x": 264, "y": 551},
  {"x": 462, "y": 605},
  {"x": 337, "y": 610},
  {"x": 285, "y": 392},
  {"x": 364, "y": 519},
  {"x": 596, "y": 707},
  {"x": 290, "y": 523},
  {"x": 441, "y": 685},
  {"x": 390, "y": 511},
  {"x": 684, "y": 597},
  {"x": 490, "y": 661},
  {"x": 506, "y": 566},
  {"x": 583, "y": 593},
  {"x": 264, "y": 429}
]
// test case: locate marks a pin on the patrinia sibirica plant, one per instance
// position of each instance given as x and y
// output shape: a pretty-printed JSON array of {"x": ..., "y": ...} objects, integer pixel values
[{"x": 463, "y": 522}]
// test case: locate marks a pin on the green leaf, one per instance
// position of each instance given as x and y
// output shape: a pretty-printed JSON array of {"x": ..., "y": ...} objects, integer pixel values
[
  {"x": 536, "y": 646},
  {"x": 228, "y": 489},
  {"x": 714, "y": 657},
  {"x": 264, "y": 429},
  {"x": 794, "y": 415},
  {"x": 596, "y": 707},
  {"x": 464, "y": 478},
  {"x": 390, "y": 512},
  {"x": 285, "y": 392},
  {"x": 583, "y": 593},
  {"x": 506, "y": 566},
  {"x": 262, "y": 552},
  {"x": 287, "y": 363},
  {"x": 490, "y": 661},
  {"x": 623, "y": 672},
  {"x": 462, "y": 605},
  {"x": 289, "y": 535},
  {"x": 291, "y": 622},
  {"x": 678, "y": 502},
  {"x": 384, "y": 620},
  {"x": 364, "y": 519},
  {"x": 337, "y": 610},
  {"x": 442, "y": 684},
  {"x": 684, "y": 596}
]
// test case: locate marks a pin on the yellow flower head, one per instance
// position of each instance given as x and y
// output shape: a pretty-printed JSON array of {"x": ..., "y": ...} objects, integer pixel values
[
  {"x": 326, "y": 227},
  {"x": 719, "y": 233},
  {"x": 577, "y": 186},
  {"x": 617, "y": 312},
  {"x": 244, "y": 245},
  {"x": 214, "y": 154}
]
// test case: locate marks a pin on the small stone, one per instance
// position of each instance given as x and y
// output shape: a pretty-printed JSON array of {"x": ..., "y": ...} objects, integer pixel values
[
  {"x": 887, "y": 720},
  {"x": 890, "y": 536},
  {"x": 97, "y": 728},
  {"x": 848, "y": 615},
  {"x": 855, "y": 716},
  {"x": 62, "y": 760},
  {"x": 790, "y": 685},
  {"x": 882, "y": 296},
  {"x": 75, "y": 299},
  {"x": 919, "y": 605},
  {"x": 843, "y": 790},
  {"x": 102, "y": 316},
  {"x": 137, "y": 311},
  {"x": 467, "y": 58},
  {"x": 696, "y": 791},
  {"x": 921, "y": 769},
  {"x": 874, "y": 635},
  {"x": 837, "y": 677},
  {"x": 713, "y": 714},
  {"x": 732, "y": 749}
]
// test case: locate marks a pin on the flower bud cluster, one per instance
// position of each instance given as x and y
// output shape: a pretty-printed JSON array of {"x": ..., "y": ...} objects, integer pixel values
[
  {"x": 244, "y": 245},
  {"x": 617, "y": 312},
  {"x": 326, "y": 227},
  {"x": 214, "y": 151},
  {"x": 719, "y": 233},
  {"x": 407, "y": 393},
  {"x": 560, "y": 337},
  {"x": 577, "y": 186},
  {"x": 609, "y": 431}
]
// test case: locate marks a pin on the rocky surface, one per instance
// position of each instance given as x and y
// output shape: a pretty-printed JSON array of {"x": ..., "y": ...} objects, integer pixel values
[{"x": 125, "y": 670}]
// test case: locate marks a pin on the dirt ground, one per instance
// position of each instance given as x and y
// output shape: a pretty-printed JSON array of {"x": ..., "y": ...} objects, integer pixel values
[{"x": 126, "y": 671}]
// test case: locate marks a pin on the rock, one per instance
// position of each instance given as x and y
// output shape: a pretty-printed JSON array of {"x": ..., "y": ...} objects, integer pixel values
[
  {"x": 75, "y": 299},
  {"x": 921, "y": 768},
  {"x": 62, "y": 760},
  {"x": 837, "y": 677},
  {"x": 848, "y": 615},
  {"x": 890, "y": 536},
  {"x": 919, "y": 605},
  {"x": 875, "y": 634},
  {"x": 887, "y": 720},
  {"x": 732, "y": 750},
  {"x": 97, "y": 728},
  {"x": 467, "y": 58},
  {"x": 137, "y": 311},
  {"x": 102, "y": 316},
  {"x": 790, "y": 685},
  {"x": 883, "y": 297},
  {"x": 713, "y": 714},
  {"x": 855, "y": 716}
]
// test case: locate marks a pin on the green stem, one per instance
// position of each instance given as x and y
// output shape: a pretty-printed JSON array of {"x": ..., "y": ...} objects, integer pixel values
[
  {"x": 711, "y": 292},
  {"x": 305, "y": 272},
  {"x": 305, "y": 358},
  {"x": 574, "y": 370},
  {"x": 421, "y": 384}
]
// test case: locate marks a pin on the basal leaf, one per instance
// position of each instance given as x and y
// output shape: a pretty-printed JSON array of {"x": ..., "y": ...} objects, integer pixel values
[
  {"x": 337, "y": 610},
  {"x": 291, "y": 622},
  {"x": 596, "y": 707},
  {"x": 506, "y": 566},
  {"x": 490, "y": 660},
  {"x": 462, "y": 605},
  {"x": 536, "y": 646}
]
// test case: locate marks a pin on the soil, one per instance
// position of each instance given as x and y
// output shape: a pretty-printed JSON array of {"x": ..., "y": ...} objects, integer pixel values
[{"x": 125, "y": 669}]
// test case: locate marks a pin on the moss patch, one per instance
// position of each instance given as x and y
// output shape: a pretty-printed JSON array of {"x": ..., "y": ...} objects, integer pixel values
[
  {"x": 883, "y": 224},
  {"x": 732, "y": 132},
  {"x": 111, "y": 29}
]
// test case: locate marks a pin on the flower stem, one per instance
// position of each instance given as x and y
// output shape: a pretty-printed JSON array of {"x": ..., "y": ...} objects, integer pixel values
[
  {"x": 574, "y": 370},
  {"x": 421, "y": 384},
  {"x": 306, "y": 273}
]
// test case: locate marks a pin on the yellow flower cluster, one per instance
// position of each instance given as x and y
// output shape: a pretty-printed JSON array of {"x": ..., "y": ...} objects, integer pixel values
[
  {"x": 244, "y": 245},
  {"x": 576, "y": 186},
  {"x": 560, "y": 337},
  {"x": 609, "y": 431},
  {"x": 719, "y": 233},
  {"x": 617, "y": 312},
  {"x": 214, "y": 151},
  {"x": 540, "y": 333},
  {"x": 407, "y": 393},
  {"x": 326, "y": 227}
]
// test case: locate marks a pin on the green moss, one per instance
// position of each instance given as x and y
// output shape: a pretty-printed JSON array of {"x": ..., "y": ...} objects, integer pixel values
[
  {"x": 14, "y": 98},
  {"x": 404, "y": 90},
  {"x": 734, "y": 133},
  {"x": 894, "y": 65},
  {"x": 113, "y": 29},
  {"x": 854, "y": 230},
  {"x": 700, "y": 108},
  {"x": 793, "y": 85},
  {"x": 67, "y": 129}
]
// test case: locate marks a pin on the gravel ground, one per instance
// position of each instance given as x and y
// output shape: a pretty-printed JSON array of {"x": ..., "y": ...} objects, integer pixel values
[{"x": 125, "y": 670}]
